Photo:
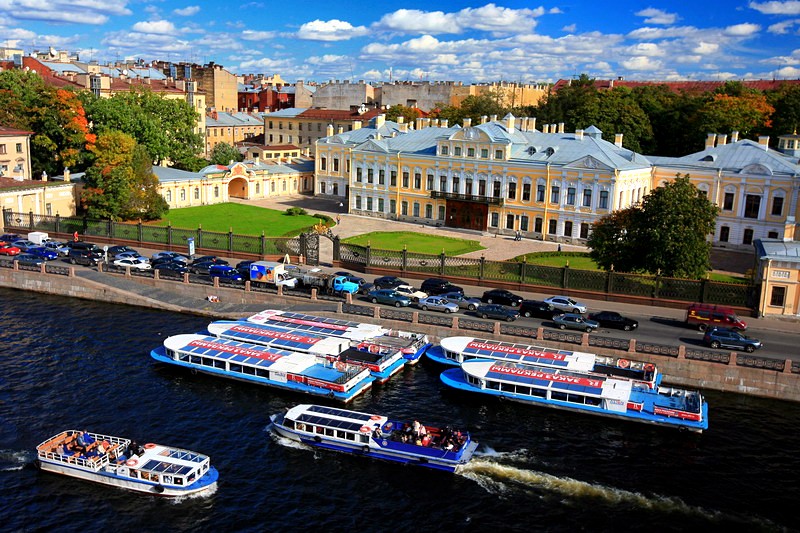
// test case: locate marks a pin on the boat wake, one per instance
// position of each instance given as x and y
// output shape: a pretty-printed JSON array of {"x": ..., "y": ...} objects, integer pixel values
[
  {"x": 288, "y": 443},
  {"x": 12, "y": 460},
  {"x": 499, "y": 478}
]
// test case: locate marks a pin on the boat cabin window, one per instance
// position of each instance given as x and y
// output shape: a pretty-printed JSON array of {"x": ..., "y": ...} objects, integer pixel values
[
  {"x": 329, "y": 432},
  {"x": 179, "y": 481},
  {"x": 235, "y": 368},
  {"x": 364, "y": 438},
  {"x": 182, "y": 357},
  {"x": 248, "y": 370},
  {"x": 219, "y": 364},
  {"x": 196, "y": 359},
  {"x": 205, "y": 361},
  {"x": 523, "y": 390},
  {"x": 507, "y": 387},
  {"x": 493, "y": 385},
  {"x": 541, "y": 393},
  {"x": 472, "y": 380},
  {"x": 320, "y": 430},
  {"x": 262, "y": 373},
  {"x": 349, "y": 436}
]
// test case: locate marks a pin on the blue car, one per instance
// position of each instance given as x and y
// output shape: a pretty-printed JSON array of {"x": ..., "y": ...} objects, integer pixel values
[
  {"x": 389, "y": 297},
  {"x": 224, "y": 272},
  {"x": 44, "y": 253}
]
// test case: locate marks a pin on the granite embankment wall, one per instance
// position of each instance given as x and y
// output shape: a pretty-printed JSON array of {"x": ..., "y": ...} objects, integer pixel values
[{"x": 237, "y": 303}]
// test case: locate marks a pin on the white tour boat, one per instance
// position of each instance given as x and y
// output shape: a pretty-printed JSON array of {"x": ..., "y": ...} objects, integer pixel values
[
  {"x": 375, "y": 436},
  {"x": 152, "y": 469}
]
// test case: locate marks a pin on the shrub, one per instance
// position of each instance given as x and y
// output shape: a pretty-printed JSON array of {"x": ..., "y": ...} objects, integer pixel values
[
  {"x": 328, "y": 221},
  {"x": 296, "y": 211}
]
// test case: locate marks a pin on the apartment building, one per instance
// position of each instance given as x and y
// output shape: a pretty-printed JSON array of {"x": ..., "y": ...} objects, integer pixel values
[
  {"x": 304, "y": 127},
  {"x": 15, "y": 153},
  {"x": 231, "y": 128}
]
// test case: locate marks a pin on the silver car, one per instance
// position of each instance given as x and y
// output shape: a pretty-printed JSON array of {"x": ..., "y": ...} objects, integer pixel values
[
  {"x": 437, "y": 303},
  {"x": 573, "y": 321},
  {"x": 566, "y": 304},
  {"x": 463, "y": 302}
]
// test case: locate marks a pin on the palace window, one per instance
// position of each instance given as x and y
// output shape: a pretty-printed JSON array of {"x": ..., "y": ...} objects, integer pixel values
[
  {"x": 416, "y": 209},
  {"x": 555, "y": 194},
  {"x": 443, "y": 183},
  {"x": 405, "y": 180},
  {"x": 358, "y": 202},
  {"x": 393, "y": 207},
  {"x": 526, "y": 192},
  {"x": 570, "y": 195},
  {"x": 381, "y": 205},
  {"x": 523, "y": 223},
  {"x": 778, "y": 296},
  {"x": 441, "y": 212},
  {"x": 495, "y": 220},
  {"x": 484, "y": 153},
  {"x": 724, "y": 233},
  {"x": 777, "y": 206},
  {"x": 509, "y": 221},
  {"x": 428, "y": 211},
  {"x": 603, "y": 202},
  {"x": 470, "y": 152},
  {"x": 430, "y": 182},
  {"x": 551, "y": 226},
  {"x": 197, "y": 192},
  {"x": 393, "y": 178},
  {"x": 323, "y": 163},
  {"x": 370, "y": 176},
  {"x": 568, "y": 228},
  {"x": 584, "y": 230},
  {"x": 457, "y": 150},
  {"x": 445, "y": 150},
  {"x": 496, "y": 189},
  {"x": 336, "y": 164},
  {"x": 512, "y": 191},
  {"x": 587, "y": 197},
  {"x": 417, "y": 180},
  {"x": 381, "y": 177},
  {"x": 540, "y": 193},
  {"x": 358, "y": 174},
  {"x": 748, "y": 236},
  {"x": 752, "y": 204},
  {"x": 404, "y": 208},
  {"x": 537, "y": 224}
]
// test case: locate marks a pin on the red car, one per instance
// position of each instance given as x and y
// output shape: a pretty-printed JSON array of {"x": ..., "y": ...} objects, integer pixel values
[{"x": 7, "y": 249}]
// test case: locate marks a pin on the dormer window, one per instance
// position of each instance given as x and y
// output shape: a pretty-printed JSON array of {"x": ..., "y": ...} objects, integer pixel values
[
  {"x": 445, "y": 150},
  {"x": 470, "y": 152},
  {"x": 457, "y": 151},
  {"x": 498, "y": 154}
]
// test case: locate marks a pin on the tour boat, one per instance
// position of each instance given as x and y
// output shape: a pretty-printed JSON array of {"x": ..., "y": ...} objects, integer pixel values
[
  {"x": 375, "y": 436},
  {"x": 382, "y": 362},
  {"x": 455, "y": 350},
  {"x": 152, "y": 469},
  {"x": 582, "y": 392},
  {"x": 411, "y": 345},
  {"x": 263, "y": 365}
]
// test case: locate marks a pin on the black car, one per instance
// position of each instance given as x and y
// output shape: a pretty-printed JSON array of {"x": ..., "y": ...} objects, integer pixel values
[
  {"x": 174, "y": 268},
  {"x": 612, "y": 319},
  {"x": 84, "y": 257},
  {"x": 213, "y": 259},
  {"x": 114, "y": 250},
  {"x": 244, "y": 268},
  {"x": 10, "y": 237},
  {"x": 536, "y": 308},
  {"x": 388, "y": 282},
  {"x": 497, "y": 312},
  {"x": 501, "y": 296},
  {"x": 201, "y": 268},
  {"x": 437, "y": 286},
  {"x": 29, "y": 260}
]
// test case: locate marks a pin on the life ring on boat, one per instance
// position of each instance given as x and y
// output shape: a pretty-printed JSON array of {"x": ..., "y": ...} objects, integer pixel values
[
  {"x": 623, "y": 363},
  {"x": 374, "y": 348},
  {"x": 340, "y": 366},
  {"x": 374, "y": 417},
  {"x": 365, "y": 449},
  {"x": 149, "y": 445},
  {"x": 649, "y": 367},
  {"x": 317, "y": 439},
  {"x": 365, "y": 429},
  {"x": 131, "y": 462}
]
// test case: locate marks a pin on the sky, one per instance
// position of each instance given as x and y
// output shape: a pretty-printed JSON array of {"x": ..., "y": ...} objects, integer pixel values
[{"x": 434, "y": 40}]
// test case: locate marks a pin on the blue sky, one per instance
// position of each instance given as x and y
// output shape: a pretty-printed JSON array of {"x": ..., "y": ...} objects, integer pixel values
[{"x": 318, "y": 40}]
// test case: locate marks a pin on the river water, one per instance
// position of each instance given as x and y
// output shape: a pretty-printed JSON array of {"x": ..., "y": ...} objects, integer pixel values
[{"x": 85, "y": 365}]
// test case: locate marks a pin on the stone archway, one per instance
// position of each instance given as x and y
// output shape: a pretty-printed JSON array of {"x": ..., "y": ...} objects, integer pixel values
[{"x": 238, "y": 188}]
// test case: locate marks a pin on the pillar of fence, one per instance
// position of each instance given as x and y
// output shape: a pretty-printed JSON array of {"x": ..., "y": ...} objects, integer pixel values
[
  {"x": 263, "y": 243},
  {"x": 522, "y": 269},
  {"x": 442, "y": 262},
  {"x": 368, "y": 258},
  {"x": 565, "y": 276},
  {"x": 481, "y": 264},
  {"x": 56, "y": 228},
  {"x": 404, "y": 262},
  {"x": 337, "y": 251}
]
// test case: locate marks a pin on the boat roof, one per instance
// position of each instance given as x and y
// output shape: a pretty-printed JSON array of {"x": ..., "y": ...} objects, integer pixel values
[
  {"x": 333, "y": 417},
  {"x": 523, "y": 353},
  {"x": 548, "y": 377},
  {"x": 280, "y": 337},
  {"x": 317, "y": 324},
  {"x": 240, "y": 352},
  {"x": 166, "y": 460}
]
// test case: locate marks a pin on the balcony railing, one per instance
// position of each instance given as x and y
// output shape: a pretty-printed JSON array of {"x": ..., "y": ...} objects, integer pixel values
[{"x": 467, "y": 198}]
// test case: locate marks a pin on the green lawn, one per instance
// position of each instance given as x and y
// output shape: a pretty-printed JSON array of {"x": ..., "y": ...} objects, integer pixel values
[
  {"x": 577, "y": 262},
  {"x": 242, "y": 219},
  {"x": 415, "y": 242}
]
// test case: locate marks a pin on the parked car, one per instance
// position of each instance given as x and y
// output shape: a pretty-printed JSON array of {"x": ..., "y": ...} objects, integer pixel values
[
  {"x": 436, "y": 286},
  {"x": 133, "y": 254},
  {"x": 60, "y": 248},
  {"x": 536, "y": 308},
  {"x": 114, "y": 251},
  {"x": 83, "y": 245},
  {"x": 29, "y": 260},
  {"x": 706, "y": 316},
  {"x": 225, "y": 272},
  {"x": 133, "y": 263},
  {"x": 44, "y": 253},
  {"x": 462, "y": 301},
  {"x": 717, "y": 337},
  {"x": 388, "y": 282},
  {"x": 411, "y": 292},
  {"x": 10, "y": 237},
  {"x": 612, "y": 319},
  {"x": 358, "y": 280},
  {"x": 200, "y": 268},
  {"x": 566, "y": 304},
  {"x": 497, "y": 312},
  {"x": 437, "y": 303},
  {"x": 501, "y": 296},
  {"x": 24, "y": 244},
  {"x": 208, "y": 259},
  {"x": 7, "y": 249},
  {"x": 173, "y": 267},
  {"x": 575, "y": 321},
  {"x": 84, "y": 257},
  {"x": 389, "y": 297},
  {"x": 244, "y": 268},
  {"x": 170, "y": 256}
]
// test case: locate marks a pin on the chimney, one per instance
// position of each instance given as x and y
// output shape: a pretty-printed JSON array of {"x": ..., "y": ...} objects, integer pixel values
[
  {"x": 734, "y": 137},
  {"x": 401, "y": 119},
  {"x": 710, "y": 139},
  {"x": 340, "y": 130},
  {"x": 380, "y": 120},
  {"x": 329, "y": 130},
  {"x": 466, "y": 122},
  {"x": 560, "y": 127},
  {"x": 443, "y": 122},
  {"x": 493, "y": 118},
  {"x": 532, "y": 124},
  {"x": 722, "y": 140},
  {"x": 763, "y": 140},
  {"x": 403, "y": 127},
  {"x": 618, "y": 139},
  {"x": 357, "y": 124},
  {"x": 419, "y": 125},
  {"x": 435, "y": 123},
  {"x": 66, "y": 175},
  {"x": 546, "y": 128},
  {"x": 509, "y": 122},
  {"x": 579, "y": 134}
]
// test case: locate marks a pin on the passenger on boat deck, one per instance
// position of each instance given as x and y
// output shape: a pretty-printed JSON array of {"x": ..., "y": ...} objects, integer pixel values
[
  {"x": 377, "y": 433},
  {"x": 83, "y": 441}
]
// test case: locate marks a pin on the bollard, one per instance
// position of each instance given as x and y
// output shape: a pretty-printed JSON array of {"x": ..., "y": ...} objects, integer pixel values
[
  {"x": 632, "y": 346},
  {"x": 585, "y": 339},
  {"x": 681, "y": 352},
  {"x": 314, "y": 293},
  {"x": 415, "y": 317}
]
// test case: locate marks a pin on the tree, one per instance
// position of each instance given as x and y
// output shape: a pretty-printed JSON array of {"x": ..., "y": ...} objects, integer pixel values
[
  {"x": 748, "y": 113},
  {"x": 472, "y": 107},
  {"x": 409, "y": 114},
  {"x": 120, "y": 184},
  {"x": 224, "y": 153},
  {"x": 614, "y": 111},
  {"x": 786, "y": 101},
  {"x": 667, "y": 234},
  {"x": 166, "y": 127}
]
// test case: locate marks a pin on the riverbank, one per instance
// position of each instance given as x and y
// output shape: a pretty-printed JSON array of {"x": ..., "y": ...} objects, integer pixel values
[{"x": 722, "y": 374}]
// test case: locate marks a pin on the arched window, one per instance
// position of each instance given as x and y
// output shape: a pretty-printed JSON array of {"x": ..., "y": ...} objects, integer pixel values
[
  {"x": 216, "y": 191},
  {"x": 169, "y": 196},
  {"x": 183, "y": 195},
  {"x": 196, "y": 193}
]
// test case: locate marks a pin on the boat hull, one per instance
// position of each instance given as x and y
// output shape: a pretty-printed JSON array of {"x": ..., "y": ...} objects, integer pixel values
[
  {"x": 454, "y": 378},
  {"x": 107, "y": 476},
  {"x": 430, "y": 460}
]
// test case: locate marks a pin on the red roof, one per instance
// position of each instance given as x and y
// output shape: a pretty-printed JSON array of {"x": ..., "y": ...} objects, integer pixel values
[
  {"x": 11, "y": 183},
  {"x": 13, "y": 131}
]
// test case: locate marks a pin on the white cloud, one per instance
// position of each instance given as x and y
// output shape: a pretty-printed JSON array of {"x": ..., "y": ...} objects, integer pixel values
[
  {"x": 251, "y": 35},
  {"x": 744, "y": 29},
  {"x": 783, "y": 27},
  {"x": 641, "y": 63},
  {"x": 705, "y": 48},
  {"x": 489, "y": 18},
  {"x": 416, "y": 21},
  {"x": 331, "y": 30},
  {"x": 789, "y": 73},
  {"x": 657, "y": 16},
  {"x": 645, "y": 49},
  {"x": 163, "y": 27},
  {"x": 687, "y": 59},
  {"x": 187, "y": 11},
  {"x": 791, "y": 7},
  {"x": 59, "y": 11},
  {"x": 327, "y": 59},
  {"x": 570, "y": 28}
]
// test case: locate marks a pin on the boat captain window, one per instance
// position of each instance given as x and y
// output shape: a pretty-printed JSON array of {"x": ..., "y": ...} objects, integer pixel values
[
  {"x": 364, "y": 438},
  {"x": 493, "y": 385}
]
